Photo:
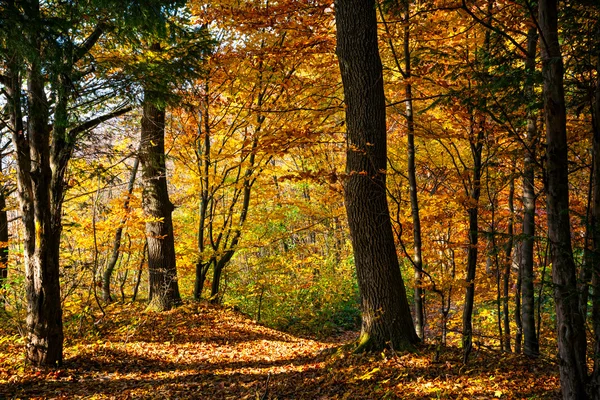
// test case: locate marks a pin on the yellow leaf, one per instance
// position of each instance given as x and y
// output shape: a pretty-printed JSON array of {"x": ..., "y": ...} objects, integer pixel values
[
  {"x": 369, "y": 374},
  {"x": 497, "y": 393}
]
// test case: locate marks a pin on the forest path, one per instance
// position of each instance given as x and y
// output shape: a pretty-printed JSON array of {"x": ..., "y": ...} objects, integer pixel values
[{"x": 204, "y": 352}]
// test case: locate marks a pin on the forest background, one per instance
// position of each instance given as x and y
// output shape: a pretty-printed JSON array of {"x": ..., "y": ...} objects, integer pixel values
[{"x": 254, "y": 149}]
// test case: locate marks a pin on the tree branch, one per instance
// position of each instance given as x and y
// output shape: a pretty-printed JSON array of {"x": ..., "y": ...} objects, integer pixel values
[
  {"x": 92, "y": 123},
  {"x": 82, "y": 50},
  {"x": 492, "y": 28}
]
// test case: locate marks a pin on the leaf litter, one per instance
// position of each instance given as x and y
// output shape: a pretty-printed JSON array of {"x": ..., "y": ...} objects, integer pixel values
[{"x": 201, "y": 351}]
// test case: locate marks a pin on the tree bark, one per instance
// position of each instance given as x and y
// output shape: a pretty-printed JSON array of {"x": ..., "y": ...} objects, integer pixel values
[
  {"x": 419, "y": 292},
  {"x": 164, "y": 289},
  {"x": 595, "y": 228},
  {"x": 386, "y": 319},
  {"x": 473, "y": 211},
  {"x": 508, "y": 263},
  {"x": 3, "y": 239},
  {"x": 44, "y": 313},
  {"x": 203, "y": 163},
  {"x": 530, "y": 342},
  {"x": 570, "y": 326}
]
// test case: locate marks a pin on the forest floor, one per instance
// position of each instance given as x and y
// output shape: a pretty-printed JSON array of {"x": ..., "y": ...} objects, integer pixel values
[{"x": 200, "y": 351}]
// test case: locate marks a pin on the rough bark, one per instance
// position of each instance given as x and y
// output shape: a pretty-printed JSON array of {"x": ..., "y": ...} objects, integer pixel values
[
  {"x": 570, "y": 326},
  {"x": 162, "y": 270},
  {"x": 114, "y": 255},
  {"x": 386, "y": 319},
  {"x": 44, "y": 313},
  {"x": 594, "y": 388},
  {"x": 530, "y": 342}
]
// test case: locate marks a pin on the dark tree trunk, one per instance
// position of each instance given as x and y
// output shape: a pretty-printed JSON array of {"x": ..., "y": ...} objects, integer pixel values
[
  {"x": 203, "y": 164},
  {"x": 42, "y": 242},
  {"x": 3, "y": 241},
  {"x": 114, "y": 256},
  {"x": 386, "y": 319},
  {"x": 162, "y": 271},
  {"x": 570, "y": 326},
  {"x": 475, "y": 193},
  {"x": 530, "y": 343},
  {"x": 595, "y": 228}
]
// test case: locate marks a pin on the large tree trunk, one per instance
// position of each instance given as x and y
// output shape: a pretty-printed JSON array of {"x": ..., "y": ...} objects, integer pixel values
[
  {"x": 162, "y": 270},
  {"x": 386, "y": 319},
  {"x": 595, "y": 228},
  {"x": 530, "y": 343},
  {"x": 114, "y": 255},
  {"x": 570, "y": 326},
  {"x": 44, "y": 313}
]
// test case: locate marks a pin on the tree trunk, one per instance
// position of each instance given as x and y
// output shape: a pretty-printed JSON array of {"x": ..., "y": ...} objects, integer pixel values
[
  {"x": 114, "y": 256},
  {"x": 3, "y": 241},
  {"x": 571, "y": 330},
  {"x": 386, "y": 319},
  {"x": 518, "y": 321},
  {"x": 595, "y": 228},
  {"x": 530, "y": 343},
  {"x": 508, "y": 262},
  {"x": 138, "y": 277},
  {"x": 162, "y": 271},
  {"x": 412, "y": 183},
  {"x": 203, "y": 164},
  {"x": 475, "y": 192},
  {"x": 44, "y": 313}
]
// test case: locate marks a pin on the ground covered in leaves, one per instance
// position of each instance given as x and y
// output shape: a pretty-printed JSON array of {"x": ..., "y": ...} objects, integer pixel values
[{"x": 204, "y": 352}]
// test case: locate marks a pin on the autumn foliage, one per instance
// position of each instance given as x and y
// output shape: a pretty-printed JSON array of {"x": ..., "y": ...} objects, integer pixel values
[{"x": 255, "y": 144}]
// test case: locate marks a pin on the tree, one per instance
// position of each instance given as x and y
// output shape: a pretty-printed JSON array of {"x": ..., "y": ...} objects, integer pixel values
[
  {"x": 386, "y": 319},
  {"x": 164, "y": 289},
  {"x": 570, "y": 326},
  {"x": 530, "y": 344}
]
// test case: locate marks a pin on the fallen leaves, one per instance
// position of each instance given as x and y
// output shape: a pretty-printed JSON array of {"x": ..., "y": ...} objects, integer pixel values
[{"x": 202, "y": 351}]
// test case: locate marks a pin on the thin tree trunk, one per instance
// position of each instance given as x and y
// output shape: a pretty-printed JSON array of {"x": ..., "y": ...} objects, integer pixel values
[
  {"x": 570, "y": 326},
  {"x": 162, "y": 270},
  {"x": 507, "y": 263},
  {"x": 386, "y": 319},
  {"x": 203, "y": 164},
  {"x": 112, "y": 262},
  {"x": 467, "y": 320},
  {"x": 518, "y": 320},
  {"x": 530, "y": 344},
  {"x": 3, "y": 241},
  {"x": 419, "y": 292},
  {"x": 138, "y": 278}
]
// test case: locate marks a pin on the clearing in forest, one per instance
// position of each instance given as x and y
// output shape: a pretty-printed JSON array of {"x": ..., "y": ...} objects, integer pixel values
[{"x": 200, "y": 351}]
